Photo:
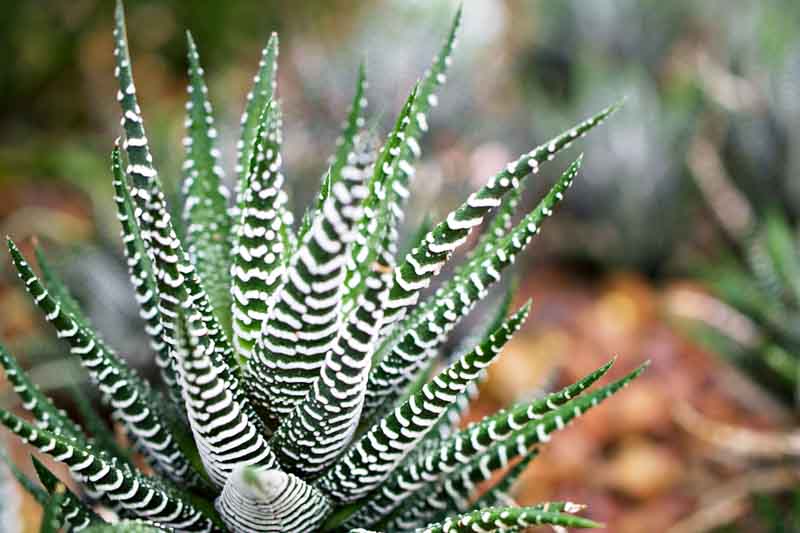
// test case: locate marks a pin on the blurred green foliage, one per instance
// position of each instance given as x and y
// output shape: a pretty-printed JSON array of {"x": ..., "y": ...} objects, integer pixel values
[{"x": 771, "y": 514}]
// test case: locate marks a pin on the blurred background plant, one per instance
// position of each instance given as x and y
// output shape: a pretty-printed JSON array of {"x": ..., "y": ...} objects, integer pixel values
[
  {"x": 751, "y": 318},
  {"x": 696, "y": 179},
  {"x": 755, "y": 284}
]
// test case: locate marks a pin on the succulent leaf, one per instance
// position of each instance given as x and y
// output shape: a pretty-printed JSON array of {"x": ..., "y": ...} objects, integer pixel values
[
  {"x": 450, "y": 494},
  {"x": 371, "y": 460},
  {"x": 422, "y": 263},
  {"x": 208, "y": 372},
  {"x": 503, "y": 518},
  {"x": 27, "y": 484},
  {"x": 398, "y": 190},
  {"x": 397, "y": 369},
  {"x": 258, "y": 266},
  {"x": 346, "y": 143},
  {"x": 46, "y": 414},
  {"x": 129, "y": 395},
  {"x": 263, "y": 499},
  {"x": 524, "y": 426},
  {"x": 311, "y": 437},
  {"x": 140, "y": 270},
  {"x": 226, "y": 430},
  {"x": 262, "y": 93},
  {"x": 452, "y": 288},
  {"x": 499, "y": 493},
  {"x": 372, "y": 226},
  {"x": 53, "y": 517},
  {"x": 76, "y": 515},
  {"x": 138, "y": 494},
  {"x": 205, "y": 208},
  {"x": 264, "y": 84},
  {"x": 172, "y": 267},
  {"x": 301, "y": 329},
  {"x": 303, "y": 324}
]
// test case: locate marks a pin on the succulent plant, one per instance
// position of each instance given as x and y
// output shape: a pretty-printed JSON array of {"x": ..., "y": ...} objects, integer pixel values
[
  {"x": 762, "y": 287},
  {"x": 753, "y": 319},
  {"x": 748, "y": 312},
  {"x": 294, "y": 360}
]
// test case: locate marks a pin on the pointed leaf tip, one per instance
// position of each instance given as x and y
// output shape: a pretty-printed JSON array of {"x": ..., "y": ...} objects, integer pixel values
[{"x": 616, "y": 106}]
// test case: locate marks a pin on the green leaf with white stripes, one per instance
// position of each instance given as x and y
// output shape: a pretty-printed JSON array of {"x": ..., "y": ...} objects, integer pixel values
[
  {"x": 129, "y": 395},
  {"x": 134, "y": 492},
  {"x": 397, "y": 369},
  {"x": 263, "y": 90},
  {"x": 459, "y": 283},
  {"x": 397, "y": 189},
  {"x": 258, "y": 266},
  {"x": 74, "y": 512},
  {"x": 376, "y": 454},
  {"x": 519, "y": 428},
  {"x": 205, "y": 207}
]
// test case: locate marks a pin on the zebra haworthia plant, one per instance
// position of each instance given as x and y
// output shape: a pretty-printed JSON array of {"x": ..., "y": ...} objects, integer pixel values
[{"x": 292, "y": 356}]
